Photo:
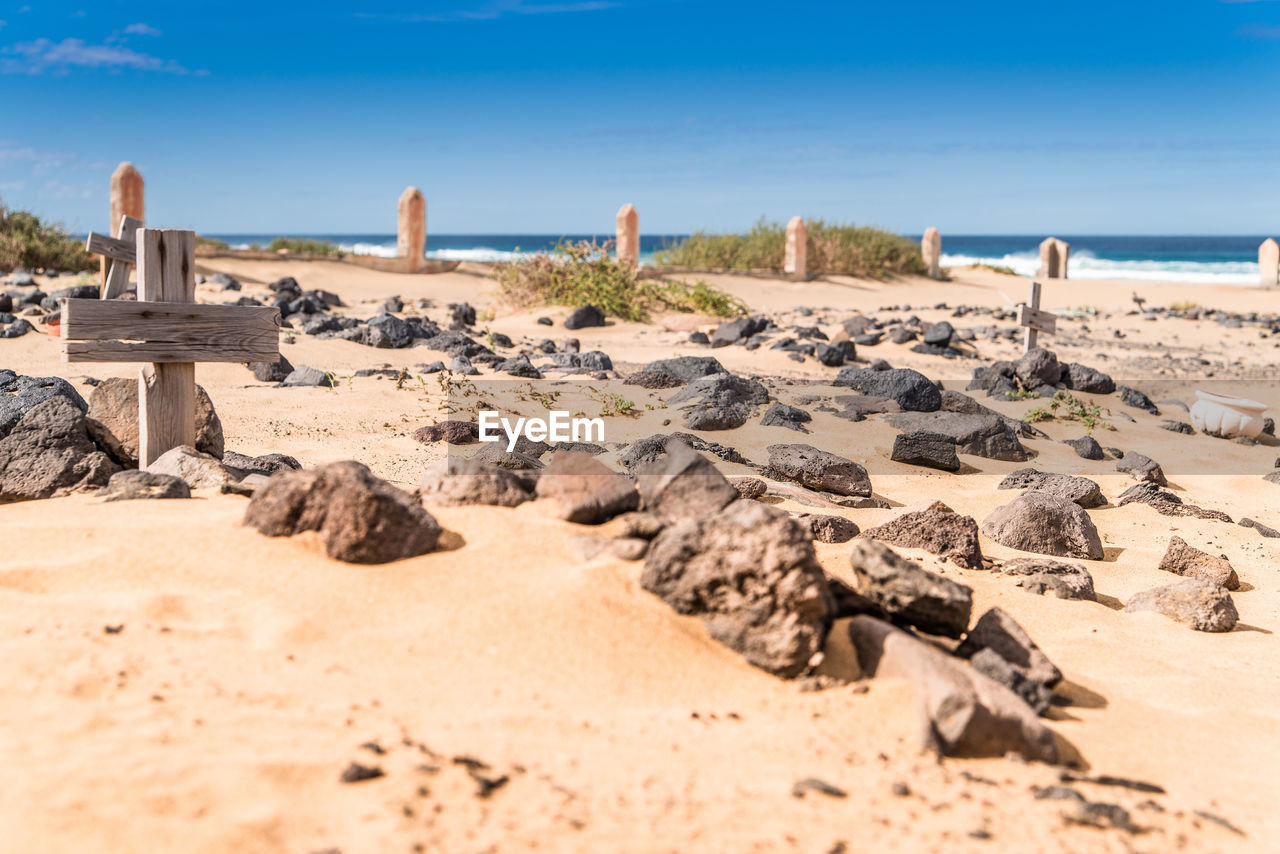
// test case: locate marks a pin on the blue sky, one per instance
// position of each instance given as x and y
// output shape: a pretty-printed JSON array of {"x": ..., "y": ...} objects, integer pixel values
[{"x": 545, "y": 115}]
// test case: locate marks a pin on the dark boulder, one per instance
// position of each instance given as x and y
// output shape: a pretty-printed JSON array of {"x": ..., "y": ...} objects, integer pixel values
[
  {"x": 360, "y": 518},
  {"x": 909, "y": 594},
  {"x": 912, "y": 390},
  {"x": 750, "y": 573}
]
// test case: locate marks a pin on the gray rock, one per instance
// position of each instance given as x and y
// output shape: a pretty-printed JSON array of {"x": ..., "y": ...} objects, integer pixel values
[
  {"x": 271, "y": 372},
  {"x": 1063, "y": 580},
  {"x": 265, "y": 464},
  {"x": 908, "y": 593},
  {"x": 1141, "y": 467},
  {"x": 462, "y": 365},
  {"x": 816, "y": 469},
  {"x": 939, "y": 334},
  {"x": 719, "y": 401},
  {"x": 733, "y": 331},
  {"x": 682, "y": 484},
  {"x": 1081, "y": 490},
  {"x": 17, "y": 329},
  {"x": 135, "y": 484},
  {"x": 386, "y": 331},
  {"x": 587, "y": 491},
  {"x": 519, "y": 366},
  {"x": 750, "y": 573},
  {"x": 989, "y": 663},
  {"x": 360, "y": 518},
  {"x": 925, "y": 448},
  {"x": 461, "y": 480},
  {"x": 941, "y": 532},
  {"x": 1186, "y": 560},
  {"x": 198, "y": 470},
  {"x": 586, "y": 316},
  {"x": 998, "y": 631},
  {"x": 1038, "y": 367},
  {"x": 1082, "y": 378},
  {"x": 1265, "y": 530},
  {"x": 686, "y": 368},
  {"x": 749, "y": 487},
  {"x": 987, "y": 436},
  {"x": 1147, "y": 492},
  {"x": 1086, "y": 447},
  {"x": 829, "y": 529},
  {"x": 961, "y": 711},
  {"x": 49, "y": 452},
  {"x": 113, "y": 421},
  {"x": 1194, "y": 602},
  {"x": 20, "y": 394},
  {"x": 1045, "y": 524},
  {"x": 1177, "y": 427},
  {"x": 913, "y": 391},
  {"x": 781, "y": 415},
  {"x": 306, "y": 377},
  {"x": 1136, "y": 399}
]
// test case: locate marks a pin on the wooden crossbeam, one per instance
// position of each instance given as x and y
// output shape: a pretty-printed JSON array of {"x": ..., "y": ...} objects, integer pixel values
[
  {"x": 1035, "y": 320},
  {"x": 118, "y": 274},
  {"x": 165, "y": 329},
  {"x": 125, "y": 331},
  {"x": 1041, "y": 321},
  {"x": 114, "y": 248}
]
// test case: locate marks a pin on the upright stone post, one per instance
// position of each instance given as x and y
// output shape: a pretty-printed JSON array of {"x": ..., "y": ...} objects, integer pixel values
[
  {"x": 795, "y": 264},
  {"x": 931, "y": 251},
  {"x": 411, "y": 227},
  {"x": 128, "y": 198},
  {"x": 1048, "y": 258},
  {"x": 628, "y": 236},
  {"x": 1064, "y": 253},
  {"x": 1268, "y": 263}
]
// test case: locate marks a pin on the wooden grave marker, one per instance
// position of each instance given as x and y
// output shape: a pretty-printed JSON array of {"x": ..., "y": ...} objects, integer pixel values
[
  {"x": 1035, "y": 320},
  {"x": 167, "y": 329},
  {"x": 120, "y": 254}
]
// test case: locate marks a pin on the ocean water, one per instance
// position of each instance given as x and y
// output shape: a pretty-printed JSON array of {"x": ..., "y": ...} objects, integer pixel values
[{"x": 1217, "y": 259}]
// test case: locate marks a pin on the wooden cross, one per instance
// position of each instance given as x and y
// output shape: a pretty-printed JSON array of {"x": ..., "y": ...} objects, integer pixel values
[
  {"x": 168, "y": 329},
  {"x": 1035, "y": 320},
  {"x": 121, "y": 251}
]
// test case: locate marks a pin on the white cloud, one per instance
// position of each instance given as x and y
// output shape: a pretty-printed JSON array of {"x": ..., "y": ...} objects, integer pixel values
[
  {"x": 41, "y": 55},
  {"x": 494, "y": 9},
  {"x": 141, "y": 30}
]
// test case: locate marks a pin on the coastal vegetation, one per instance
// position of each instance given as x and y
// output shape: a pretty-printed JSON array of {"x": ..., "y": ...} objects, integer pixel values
[
  {"x": 27, "y": 242},
  {"x": 831, "y": 248},
  {"x": 585, "y": 273},
  {"x": 305, "y": 246},
  {"x": 1002, "y": 269}
]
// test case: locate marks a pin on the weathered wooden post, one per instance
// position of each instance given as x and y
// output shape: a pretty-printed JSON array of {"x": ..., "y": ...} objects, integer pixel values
[
  {"x": 1035, "y": 320},
  {"x": 411, "y": 226},
  {"x": 1064, "y": 254},
  {"x": 1050, "y": 259},
  {"x": 628, "y": 236},
  {"x": 168, "y": 330},
  {"x": 128, "y": 199},
  {"x": 120, "y": 253},
  {"x": 795, "y": 264},
  {"x": 1268, "y": 263},
  {"x": 931, "y": 251}
]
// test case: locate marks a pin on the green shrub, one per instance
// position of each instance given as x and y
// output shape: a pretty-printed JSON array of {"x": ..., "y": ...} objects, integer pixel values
[
  {"x": 28, "y": 243},
  {"x": 211, "y": 243},
  {"x": 830, "y": 248},
  {"x": 586, "y": 273},
  {"x": 305, "y": 246}
]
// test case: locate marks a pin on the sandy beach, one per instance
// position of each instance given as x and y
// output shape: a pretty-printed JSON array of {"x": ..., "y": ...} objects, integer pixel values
[{"x": 175, "y": 681}]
